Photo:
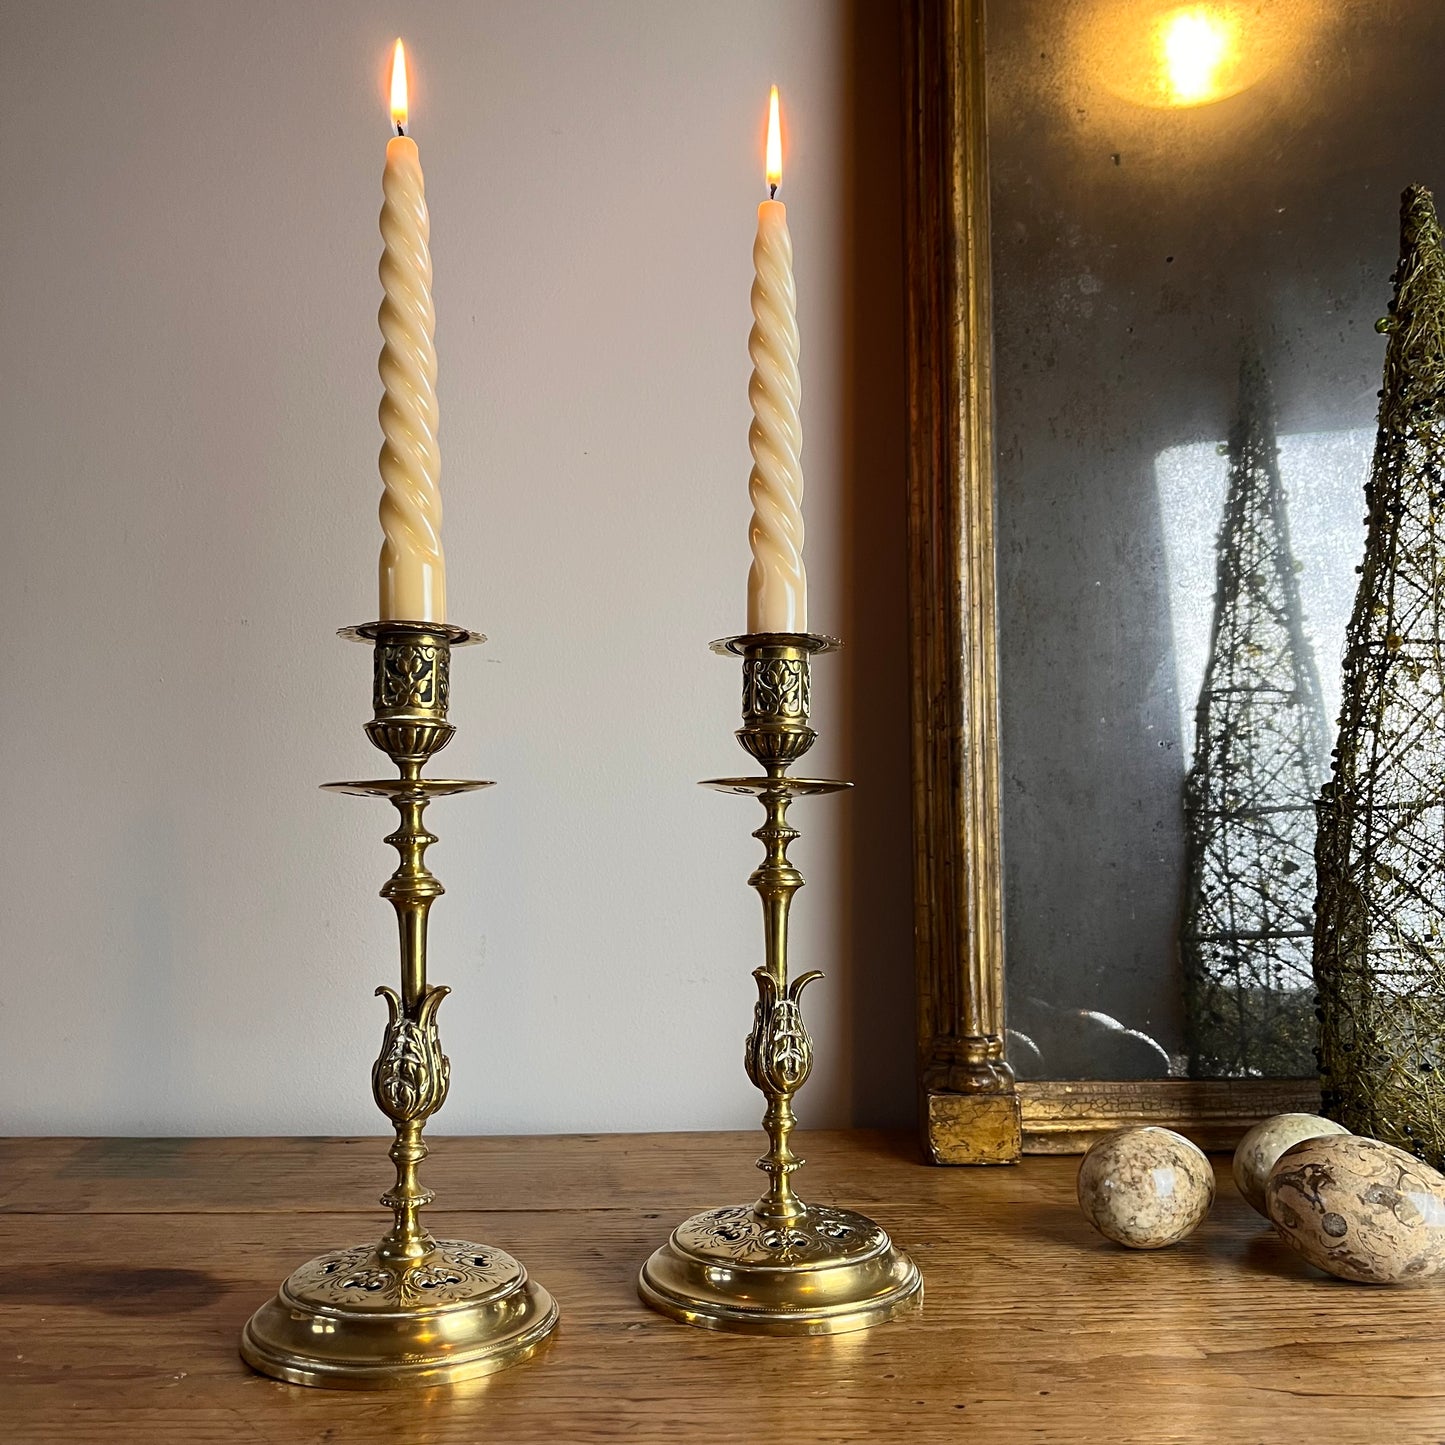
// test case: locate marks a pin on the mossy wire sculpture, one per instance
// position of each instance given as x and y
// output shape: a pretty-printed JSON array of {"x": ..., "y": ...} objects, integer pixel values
[
  {"x": 1249, "y": 800},
  {"x": 1381, "y": 902}
]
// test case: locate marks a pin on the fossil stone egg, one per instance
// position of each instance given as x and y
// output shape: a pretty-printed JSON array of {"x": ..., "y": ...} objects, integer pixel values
[
  {"x": 1145, "y": 1188},
  {"x": 1359, "y": 1209},
  {"x": 1266, "y": 1142}
]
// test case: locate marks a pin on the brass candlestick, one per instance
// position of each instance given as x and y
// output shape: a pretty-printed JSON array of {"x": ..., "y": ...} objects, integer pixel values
[
  {"x": 409, "y": 1310},
  {"x": 778, "y": 1266}
]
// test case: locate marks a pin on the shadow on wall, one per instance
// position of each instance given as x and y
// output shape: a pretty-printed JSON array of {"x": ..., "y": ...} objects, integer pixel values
[{"x": 876, "y": 818}]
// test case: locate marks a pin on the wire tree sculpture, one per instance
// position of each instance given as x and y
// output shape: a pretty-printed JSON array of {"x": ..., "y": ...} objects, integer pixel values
[
  {"x": 1249, "y": 800},
  {"x": 1381, "y": 904}
]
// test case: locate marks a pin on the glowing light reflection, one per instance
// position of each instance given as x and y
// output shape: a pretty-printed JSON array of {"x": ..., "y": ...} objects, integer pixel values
[{"x": 1195, "y": 45}]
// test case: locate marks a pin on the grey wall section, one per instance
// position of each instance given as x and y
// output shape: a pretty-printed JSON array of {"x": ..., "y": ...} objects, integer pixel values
[
  {"x": 1134, "y": 252},
  {"x": 191, "y": 931}
]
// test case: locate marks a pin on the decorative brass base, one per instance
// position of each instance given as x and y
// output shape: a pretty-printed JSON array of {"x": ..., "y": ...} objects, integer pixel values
[
  {"x": 350, "y": 1320},
  {"x": 826, "y": 1272}
]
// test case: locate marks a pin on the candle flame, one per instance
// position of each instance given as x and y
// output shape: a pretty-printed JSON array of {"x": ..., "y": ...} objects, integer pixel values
[
  {"x": 398, "y": 86},
  {"x": 775, "y": 142}
]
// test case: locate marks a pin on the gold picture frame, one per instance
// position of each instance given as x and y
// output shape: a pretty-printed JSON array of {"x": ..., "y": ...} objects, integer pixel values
[{"x": 972, "y": 1109}]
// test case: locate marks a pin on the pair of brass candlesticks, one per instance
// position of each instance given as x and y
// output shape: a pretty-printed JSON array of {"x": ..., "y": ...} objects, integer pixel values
[{"x": 414, "y": 1310}]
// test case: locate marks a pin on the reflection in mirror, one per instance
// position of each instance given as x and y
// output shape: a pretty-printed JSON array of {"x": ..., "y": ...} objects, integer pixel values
[
  {"x": 1194, "y": 217},
  {"x": 1259, "y": 758}
]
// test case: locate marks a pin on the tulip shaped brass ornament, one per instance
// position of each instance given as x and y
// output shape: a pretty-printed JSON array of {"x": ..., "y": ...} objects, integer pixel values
[
  {"x": 410, "y": 1309},
  {"x": 779, "y": 1266}
]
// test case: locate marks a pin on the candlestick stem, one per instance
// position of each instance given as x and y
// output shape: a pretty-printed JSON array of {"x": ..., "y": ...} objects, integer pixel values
[
  {"x": 779, "y": 1051},
  {"x": 411, "y": 1071}
]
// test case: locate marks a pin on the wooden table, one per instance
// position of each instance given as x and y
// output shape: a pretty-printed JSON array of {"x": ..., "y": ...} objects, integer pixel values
[{"x": 127, "y": 1268}]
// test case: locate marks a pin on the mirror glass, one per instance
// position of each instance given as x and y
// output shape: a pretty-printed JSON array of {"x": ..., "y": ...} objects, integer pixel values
[{"x": 1195, "y": 217}]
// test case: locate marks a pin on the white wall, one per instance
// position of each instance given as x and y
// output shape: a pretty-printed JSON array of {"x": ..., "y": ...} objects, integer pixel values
[{"x": 191, "y": 932}]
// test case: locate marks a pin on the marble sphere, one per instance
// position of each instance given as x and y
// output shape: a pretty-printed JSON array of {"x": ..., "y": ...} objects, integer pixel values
[
  {"x": 1266, "y": 1142},
  {"x": 1359, "y": 1209},
  {"x": 1145, "y": 1188}
]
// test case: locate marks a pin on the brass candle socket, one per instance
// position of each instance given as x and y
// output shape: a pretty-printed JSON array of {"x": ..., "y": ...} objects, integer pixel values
[
  {"x": 410, "y": 1309},
  {"x": 779, "y": 1266}
]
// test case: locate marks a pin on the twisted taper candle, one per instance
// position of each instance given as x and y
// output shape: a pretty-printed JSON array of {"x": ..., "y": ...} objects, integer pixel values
[
  {"x": 412, "y": 569},
  {"x": 777, "y": 582}
]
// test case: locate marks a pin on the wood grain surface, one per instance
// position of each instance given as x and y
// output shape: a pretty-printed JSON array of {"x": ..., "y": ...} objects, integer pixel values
[{"x": 127, "y": 1268}]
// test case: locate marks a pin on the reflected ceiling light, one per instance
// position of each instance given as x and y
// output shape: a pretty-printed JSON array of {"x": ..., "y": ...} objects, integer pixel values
[
  {"x": 1196, "y": 44},
  {"x": 1171, "y": 56}
]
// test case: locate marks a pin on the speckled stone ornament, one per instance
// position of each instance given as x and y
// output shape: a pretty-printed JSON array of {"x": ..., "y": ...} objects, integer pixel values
[
  {"x": 1266, "y": 1142},
  {"x": 1359, "y": 1209},
  {"x": 1145, "y": 1188}
]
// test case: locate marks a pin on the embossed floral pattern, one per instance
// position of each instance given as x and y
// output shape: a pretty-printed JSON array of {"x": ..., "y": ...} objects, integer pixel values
[
  {"x": 455, "y": 1270},
  {"x": 410, "y": 675},
  {"x": 776, "y": 687},
  {"x": 738, "y": 1234},
  {"x": 779, "y": 1054},
  {"x": 410, "y": 1078}
]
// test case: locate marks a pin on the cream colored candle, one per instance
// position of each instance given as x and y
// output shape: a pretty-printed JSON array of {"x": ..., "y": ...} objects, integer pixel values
[
  {"x": 777, "y": 583},
  {"x": 412, "y": 569}
]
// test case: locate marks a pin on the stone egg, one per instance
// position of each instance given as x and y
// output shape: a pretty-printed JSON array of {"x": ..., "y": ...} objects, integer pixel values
[
  {"x": 1145, "y": 1188},
  {"x": 1266, "y": 1142},
  {"x": 1359, "y": 1209}
]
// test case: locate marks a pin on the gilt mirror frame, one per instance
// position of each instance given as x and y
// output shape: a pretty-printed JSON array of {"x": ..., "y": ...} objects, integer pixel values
[{"x": 973, "y": 1111}]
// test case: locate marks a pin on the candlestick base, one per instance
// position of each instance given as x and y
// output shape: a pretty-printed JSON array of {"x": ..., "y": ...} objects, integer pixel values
[
  {"x": 352, "y": 1319},
  {"x": 824, "y": 1272}
]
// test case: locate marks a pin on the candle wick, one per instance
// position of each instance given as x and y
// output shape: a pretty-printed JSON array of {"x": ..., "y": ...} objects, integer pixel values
[
  {"x": 400, "y": 128},
  {"x": 772, "y": 192}
]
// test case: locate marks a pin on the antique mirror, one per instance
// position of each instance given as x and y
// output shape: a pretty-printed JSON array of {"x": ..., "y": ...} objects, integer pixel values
[{"x": 1148, "y": 242}]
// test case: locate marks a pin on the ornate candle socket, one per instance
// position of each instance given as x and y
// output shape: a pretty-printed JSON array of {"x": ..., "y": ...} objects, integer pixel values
[
  {"x": 778, "y": 1266},
  {"x": 409, "y": 1310}
]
